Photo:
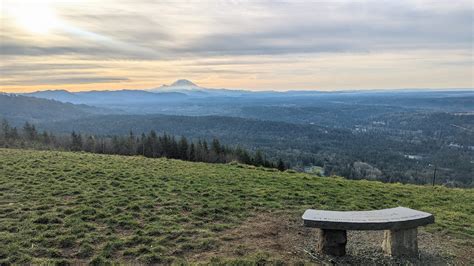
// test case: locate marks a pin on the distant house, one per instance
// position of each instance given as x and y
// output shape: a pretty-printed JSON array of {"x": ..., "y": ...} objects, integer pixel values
[{"x": 413, "y": 157}]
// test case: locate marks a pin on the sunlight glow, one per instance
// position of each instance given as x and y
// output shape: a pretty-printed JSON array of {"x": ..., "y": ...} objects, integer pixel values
[{"x": 38, "y": 18}]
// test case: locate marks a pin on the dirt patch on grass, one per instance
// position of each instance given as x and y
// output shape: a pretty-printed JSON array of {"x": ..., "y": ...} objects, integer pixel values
[{"x": 282, "y": 237}]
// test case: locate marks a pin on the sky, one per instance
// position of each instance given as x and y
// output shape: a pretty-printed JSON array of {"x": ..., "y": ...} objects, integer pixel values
[{"x": 257, "y": 45}]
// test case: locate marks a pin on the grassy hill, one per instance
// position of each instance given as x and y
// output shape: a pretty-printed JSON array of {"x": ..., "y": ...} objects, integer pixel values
[{"x": 78, "y": 207}]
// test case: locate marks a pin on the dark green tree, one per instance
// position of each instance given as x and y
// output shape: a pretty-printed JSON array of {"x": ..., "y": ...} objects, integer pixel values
[
  {"x": 30, "y": 131},
  {"x": 183, "y": 149},
  {"x": 76, "y": 141},
  {"x": 281, "y": 165},
  {"x": 192, "y": 152},
  {"x": 259, "y": 160}
]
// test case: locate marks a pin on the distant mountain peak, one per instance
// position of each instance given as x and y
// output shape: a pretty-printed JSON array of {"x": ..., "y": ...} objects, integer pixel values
[
  {"x": 183, "y": 83},
  {"x": 53, "y": 91},
  {"x": 50, "y": 93}
]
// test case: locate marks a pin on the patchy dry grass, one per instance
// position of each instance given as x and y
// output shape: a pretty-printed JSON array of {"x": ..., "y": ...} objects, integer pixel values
[
  {"x": 279, "y": 236},
  {"x": 76, "y": 207}
]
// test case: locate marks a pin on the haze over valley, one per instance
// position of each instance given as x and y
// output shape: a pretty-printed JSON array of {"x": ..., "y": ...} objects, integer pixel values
[{"x": 387, "y": 135}]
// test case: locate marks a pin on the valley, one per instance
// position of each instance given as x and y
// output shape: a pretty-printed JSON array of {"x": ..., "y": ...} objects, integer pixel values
[{"x": 391, "y": 136}]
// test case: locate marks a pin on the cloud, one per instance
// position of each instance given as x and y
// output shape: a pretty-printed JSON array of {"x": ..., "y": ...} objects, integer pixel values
[
  {"x": 341, "y": 28},
  {"x": 24, "y": 68},
  {"x": 60, "y": 81},
  {"x": 237, "y": 39},
  {"x": 193, "y": 29}
]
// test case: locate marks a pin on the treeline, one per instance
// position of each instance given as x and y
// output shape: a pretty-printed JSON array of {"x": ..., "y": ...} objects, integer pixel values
[{"x": 149, "y": 145}]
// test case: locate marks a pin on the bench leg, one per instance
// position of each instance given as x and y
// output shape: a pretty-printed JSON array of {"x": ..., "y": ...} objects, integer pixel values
[
  {"x": 332, "y": 242},
  {"x": 400, "y": 242}
]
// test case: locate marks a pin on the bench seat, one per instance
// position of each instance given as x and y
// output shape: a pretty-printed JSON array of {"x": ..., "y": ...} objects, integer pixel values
[
  {"x": 386, "y": 219},
  {"x": 400, "y": 225}
]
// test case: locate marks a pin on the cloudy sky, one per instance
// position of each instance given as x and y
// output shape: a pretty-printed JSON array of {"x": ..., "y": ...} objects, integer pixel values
[{"x": 258, "y": 45}]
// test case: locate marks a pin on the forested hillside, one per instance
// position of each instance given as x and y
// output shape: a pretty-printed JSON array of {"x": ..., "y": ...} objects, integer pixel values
[
  {"x": 382, "y": 136},
  {"x": 384, "y": 150},
  {"x": 20, "y": 109},
  {"x": 150, "y": 145}
]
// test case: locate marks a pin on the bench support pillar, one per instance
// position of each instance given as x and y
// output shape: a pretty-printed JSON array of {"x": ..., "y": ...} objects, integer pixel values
[
  {"x": 400, "y": 242},
  {"x": 332, "y": 242}
]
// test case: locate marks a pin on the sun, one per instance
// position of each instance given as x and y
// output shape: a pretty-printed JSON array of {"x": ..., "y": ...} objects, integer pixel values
[{"x": 38, "y": 18}]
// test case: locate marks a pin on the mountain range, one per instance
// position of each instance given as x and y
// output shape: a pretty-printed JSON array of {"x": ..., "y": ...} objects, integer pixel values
[{"x": 183, "y": 97}]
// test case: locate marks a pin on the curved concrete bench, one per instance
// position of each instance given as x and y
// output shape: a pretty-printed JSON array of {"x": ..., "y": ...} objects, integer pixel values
[{"x": 400, "y": 225}]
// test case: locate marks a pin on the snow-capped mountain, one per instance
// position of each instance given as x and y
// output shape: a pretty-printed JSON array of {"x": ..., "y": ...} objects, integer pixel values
[
  {"x": 192, "y": 89},
  {"x": 179, "y": 85}
]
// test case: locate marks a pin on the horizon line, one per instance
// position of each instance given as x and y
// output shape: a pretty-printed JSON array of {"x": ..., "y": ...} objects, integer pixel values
[{"x": 156, "y": 89}]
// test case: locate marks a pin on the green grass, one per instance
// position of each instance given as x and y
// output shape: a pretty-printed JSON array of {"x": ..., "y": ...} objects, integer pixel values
[{"x": 58, "y": 207}]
